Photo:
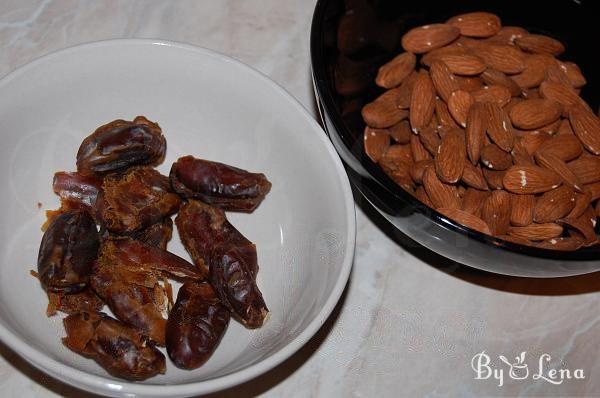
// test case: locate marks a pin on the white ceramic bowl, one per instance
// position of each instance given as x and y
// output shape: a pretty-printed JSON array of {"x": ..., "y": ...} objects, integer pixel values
[{"x": 210, "y": 106}]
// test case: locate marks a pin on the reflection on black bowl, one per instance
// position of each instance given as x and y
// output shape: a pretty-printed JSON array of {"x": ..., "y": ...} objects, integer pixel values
[{"x": 350, "y": 39}]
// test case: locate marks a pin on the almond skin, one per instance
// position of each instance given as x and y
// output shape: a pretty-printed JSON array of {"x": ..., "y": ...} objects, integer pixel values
[
  {"x": 419, "y": 152},
  {"x": 494, "y": 178},
  {"x": 443, "y": 80},
  {"x": 534, "y": 113},
  {"x": 469, "y": 84},
  {"x": 535, "y": 71},
  {"x": 573, "y": 74},
  {"x": 421, "y": 195},
  {"x": 400, "y": 132},
  {"x": 583, "y": 225},
  {"x": 586, "y": 168},
  {"x": 440, "y": 194},
  {"x": 450, "y": 159},
  {"x": 429, "y": 37},
  {"x": 561, "y": 243},
  {"x": 564, "y": 147},
  {"x": 404, "y": 92},
  {"x": 554, "y": 204},
  {"x": 394, "y": 72},
  {"x": 473, "y": 176},
  {"x": 383, "y": 112},
  {"x": 499, "y": 127},
  {"x": 493, "y": 77},
  {"x": 503, "y": 58},
  {"x": 521, "y": 209},
  {"x": 422, "y": 102},
  {"x": 540, "y": 44},
  {"x": 430, "y": 140},
  {"x": 530, "y": 180},
  {"x": 467, "y": 219},
  {"x": 459, "y": 104},
  {"x": 376, "y": 143},
  {"x": 475, "y": 131},
  {"x": 586, "y": 127},
  {"x": 561, "y": 93},
  {"x": 508, "y": 35},
  {"x": 473, "y": 200},
  {"x": 493, "y": 93},
  {"x": 443, "y": 114},
  {"x": 495, "y": 158},
  {"x": 476, "y": 24},
  {"x": 582, "y": 202},
  {"x": 418, "y": 169},
  {"x": 558, "y": 166},
  {"x": 496, "y": 212},
  {"x": 536, "y": 232},
  {"x": 465, "y": 65}
]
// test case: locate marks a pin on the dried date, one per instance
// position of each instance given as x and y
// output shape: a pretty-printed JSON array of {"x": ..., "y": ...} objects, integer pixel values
[
  {"x": 84, "y": 301},
  {"x": 157, "y": 235},
  {"x": 77, "y": 190}
]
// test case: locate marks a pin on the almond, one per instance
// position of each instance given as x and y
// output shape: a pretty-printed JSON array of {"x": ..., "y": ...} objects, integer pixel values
[
  {"x": 459, "y": 105},
  {"x": 450, "y": 159},
  {"x": 561, "y": 93},
  {"x": 422, "y": 102},
  {"x": 561, "y": 243},
  {"x": 429, "y": 37},
  {"x": 586, "y": 126},
  {"x": 530, "y": 180},
  {"x": 466, "y": 219},
  {"x": 564, "y": 147},
  {"x": 558, "y": 166},
  {"x": 582, "y": 202},
  {"x": 496, "y": 212},
  {"x": 400, "y": 132},
  {"x": 430, "y": 140},
  {"x": 535, "y": 71},
  {"x": 516, "y": 239},
  {"x": 499, "y": 127},
  {"x": 584, "y": 225},
  {"x": 594, "y": 190},
  {"x": 419, "y": 152},
  {"x": 554, "y": 73},
  {"x": 565, "y": 128},
  {"x": 520, "y": 155},
  {"x": 494, "y": 178},
  {"x": 554, "y": 204},
  {"x": 493, "y": 93},
  {"x": 394, "y": 72},
  {"x": 463, "y": 64},
  {"x": 440, "y": 194},
  {"x": 495, "y": 158},
  {"x": 473, "y": 200},
  {"x": 437, "y": 54},
  {"x": 397, "y": 159},
  {"x": 534, "y": 113},
  {"x": 421, "y": 195},
  {"x": 573, "y": 74},
  {"x": 404, "y": 92},
  {"x": 493, "y": 77},
  {"x": 586, "y": 168},
  {"x": 521, "y": 209},
  {"x": 383, "y": 112},
  {"x": 532, "y": 141},
  {"x": 508, "y": 35},
  {"x": 469, "y": 84},
  {"x": 540, "y": 44},
  {"x": 475, "y": 131},
  {"x": 418, "y": 169},
  {"x": 473, "y": 176},
  {"x": 503, "y": 58},
  {"x": 376, "y": 143},
  {"x": 443, "y": 114},
  {"x": 536, "y": 232},
  {"x": 476, "y": 24},
  {"x": 443, "y": 80}
]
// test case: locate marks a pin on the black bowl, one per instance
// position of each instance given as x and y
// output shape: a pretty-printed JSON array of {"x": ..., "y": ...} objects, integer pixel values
[{"x": 350, "y": 39}]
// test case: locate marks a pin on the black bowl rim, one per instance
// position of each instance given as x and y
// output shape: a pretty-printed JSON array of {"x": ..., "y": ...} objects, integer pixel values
[{"x": 327, "y": 103}]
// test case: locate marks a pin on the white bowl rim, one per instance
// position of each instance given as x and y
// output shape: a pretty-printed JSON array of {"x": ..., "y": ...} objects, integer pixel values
[{"x": 124, "y": 387}]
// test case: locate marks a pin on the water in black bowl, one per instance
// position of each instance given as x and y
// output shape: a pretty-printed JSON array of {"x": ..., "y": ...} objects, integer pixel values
[{"x": 350, "y": 39}]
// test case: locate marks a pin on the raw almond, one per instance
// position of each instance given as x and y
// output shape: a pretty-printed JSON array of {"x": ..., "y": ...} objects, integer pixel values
[
  {"x": 443, "y": 80},
  {"x": 561, "y": 243},
  {"x": 376, "y": 143},
  {"x": 586, "y": 168},
  {"x": 535, "y": 71},
  {"x": 459, "y": 104},
  {"x": 564, "y": 147},
  {"x": 467, "y": 219},
  {"x": 493, "y": 93},
  {"x": 473, "y": 176},
  {"x": 499, "y": 127},
  {"x": 476, "y": 24},
  {"x": 540, "y": 44},
  {"x": 586, "y": 127},
  {"x": 383, "y": 112},
  {"x": 430, "y": 140},
  {"x": 421, "y": 195},
  {"x": 400, "y": 132},
  {"x": 419, "y": 152},
  {"x": 573, "y": 74},
  {"x": 469, "y": 84},
  {"x": 496, "y": 212},
  {"x": 475, "y": 131},
  {"x": 536, "y": 232},
  {"x": 521, "y": 209},
  {"x": 565, "y": 128},
  {"x": 555, "y": 73},
  {"x": 450, "y": 159},
  {"x": 582, "y": 202},
  {"x": 594, "y": 190},
  {"x": 503, "y": 58},
  {"x": 494, "y": 178},
  {"x": 396, "y": 159},
  {"x": 394, "y": 72},
  {"x": 429, "y": 37},
  {"x": 530, "y": 180},
  {"x": 520, "y": 155},
  {"x": 561, "y": 93},
  {"x": 464, "y": 64},
  {"x": 422, "y": 102},
  {"x": 533, "y": 140},
  {"x": 583, "y": 225},
  {"x": 554, "y": 204},
  {"x": 508, "y": 35},
  {"x": 516, "y": 239},
  {"x": 440, "y": 194},
  {"x": 534, "y": 113},
  {"x": 473, "y": 200},
  {"x": 495, "y": 158},
  {"x": 493, "y": 77},
  {"x": 443, "y": 114},
  {"x": 552, "y": 162},
  {"x": 404, "y": 92},
  {"x": 437, "y": 54},
  {"x": 418, "y": 169}
]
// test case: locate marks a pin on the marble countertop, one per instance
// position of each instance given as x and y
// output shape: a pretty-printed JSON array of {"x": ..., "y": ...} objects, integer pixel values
[{"x": 410, "y": 322}]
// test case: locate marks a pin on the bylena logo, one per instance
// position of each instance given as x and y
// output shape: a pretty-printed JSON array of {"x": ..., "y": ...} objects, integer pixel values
[{"x": 484, "y": 369}]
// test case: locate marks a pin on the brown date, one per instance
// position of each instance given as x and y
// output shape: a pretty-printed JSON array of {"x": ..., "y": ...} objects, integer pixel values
[
  {"x": 119, "y": 349},
  {"x": 67, "y": 252},
  {"x": 196, "y": 325},
  {"x": 135, "y": 200},
  {"x": 77, "y": 190},
  {"x": 203, "y": 227},
  {"x": 218, "y": 184},
  {"x": 84, "y": 301},
  {"x": 157, "y": 235},
  {"x": 235, "y": 283},
  {"x": 121, "y": 144}
]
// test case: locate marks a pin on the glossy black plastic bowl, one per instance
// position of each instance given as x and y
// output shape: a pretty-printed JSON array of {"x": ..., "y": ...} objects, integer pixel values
[{"x": 350, "y": 39}]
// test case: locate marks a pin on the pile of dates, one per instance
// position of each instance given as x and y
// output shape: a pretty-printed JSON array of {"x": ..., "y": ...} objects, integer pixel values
[{"x": 107, "y": 246}]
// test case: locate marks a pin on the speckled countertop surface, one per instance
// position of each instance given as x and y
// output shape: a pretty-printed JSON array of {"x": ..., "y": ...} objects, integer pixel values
[{"x": 409, "y": 322}]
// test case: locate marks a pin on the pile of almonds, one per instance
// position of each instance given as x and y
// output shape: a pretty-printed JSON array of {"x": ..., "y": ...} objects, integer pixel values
[{"x": 484, "y": 124}]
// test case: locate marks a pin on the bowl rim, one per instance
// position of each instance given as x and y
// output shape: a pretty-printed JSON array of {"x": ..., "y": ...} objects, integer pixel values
[
  {"x": 81, "y": 379},
  {"x": 328, "y": 104}
]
